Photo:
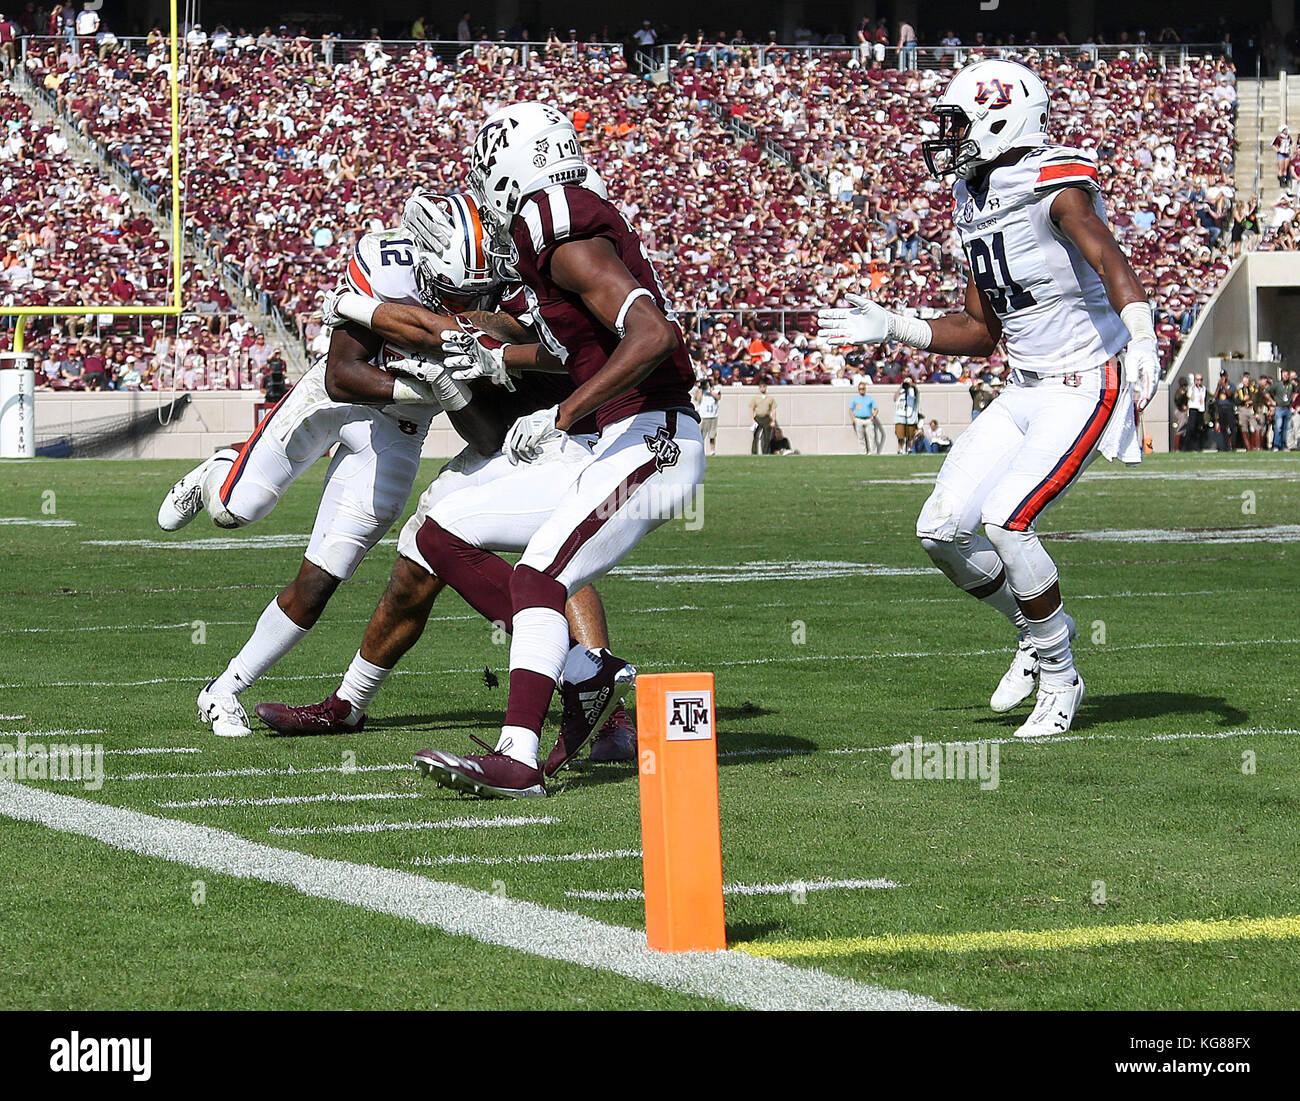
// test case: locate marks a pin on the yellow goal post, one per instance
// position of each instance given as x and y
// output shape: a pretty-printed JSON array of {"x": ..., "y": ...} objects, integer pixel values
[{"x": 175, "y": 306}]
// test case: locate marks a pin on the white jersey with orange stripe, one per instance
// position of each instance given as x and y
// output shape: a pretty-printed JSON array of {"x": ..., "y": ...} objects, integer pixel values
[
  {"x": 382, "y": 267},
  {"x": 1056, "y": 317}
]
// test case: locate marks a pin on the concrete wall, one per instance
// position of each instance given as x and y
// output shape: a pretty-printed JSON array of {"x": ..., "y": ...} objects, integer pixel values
[
  {"x": 815, "y": 418},
  {"x": 1233, "y": 324}
]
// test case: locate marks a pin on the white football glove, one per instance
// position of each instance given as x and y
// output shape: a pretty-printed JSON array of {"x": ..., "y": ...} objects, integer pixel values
[
  {"x": 526, "y": 436},
  {"x": 451, "y": 395},
  {"x": 425, "y": 220},
  {"x": 329, "y": 308},
  {"x": 470, "y": 353},
  {"x": 1142, "y": 357},
  {"x": 867, "y": 324},
  {"x": 1142, "y": 370}
]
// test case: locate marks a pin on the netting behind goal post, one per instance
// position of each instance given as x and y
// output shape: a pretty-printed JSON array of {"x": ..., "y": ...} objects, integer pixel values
[{"x": 17, "y": 367}]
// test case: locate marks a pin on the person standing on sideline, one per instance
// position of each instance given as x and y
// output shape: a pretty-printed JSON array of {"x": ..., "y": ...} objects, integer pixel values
[
  {"x": 866, "y": 422},
  {"x": 907, "y": 415},
  {"x": 706, "y": 405},
  {"x": 1196, "y": 397},
  {"x": 762, "y": 407},
  {"x": 1283, "y": 394}
]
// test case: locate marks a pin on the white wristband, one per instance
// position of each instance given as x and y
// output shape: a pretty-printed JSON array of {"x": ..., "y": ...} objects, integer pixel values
[
  {"x": 910, "y": 330},
  {"x": 411, "y": 391},
  {"x": 357, "y": 307},
  {"x": 452, "y": 395},
  {"x": 1137, "y": 316}
]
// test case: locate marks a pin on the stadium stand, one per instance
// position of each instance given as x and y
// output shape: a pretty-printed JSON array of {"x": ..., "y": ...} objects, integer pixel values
[{"x": 283, "y": 172}]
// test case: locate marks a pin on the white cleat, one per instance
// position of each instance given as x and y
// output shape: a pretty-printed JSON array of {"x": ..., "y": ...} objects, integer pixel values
[
  {"x": 1054, "y": 711},
  {"x": 1018, "y": 682},
  {"x": 224, "y": 713},
  {"x": 184, "y": 500}
]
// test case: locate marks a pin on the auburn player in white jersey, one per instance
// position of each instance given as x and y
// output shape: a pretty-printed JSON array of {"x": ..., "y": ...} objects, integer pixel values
[
  {"x": 377, "y": 419},
  {"x": 1048, "y": 278}
]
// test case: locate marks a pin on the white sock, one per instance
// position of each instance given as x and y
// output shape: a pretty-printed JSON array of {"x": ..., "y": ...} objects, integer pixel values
[
  {"x": 520, "y": 743},
  {"x": 1051, "y": 638},
  {"x": 361, "y": 684},
  {"x": 1004, "y": 600},
  {"x": 580, "y": 664},
  {"x": 540, "y": 641},
  {"x": 273, "y": 637}
]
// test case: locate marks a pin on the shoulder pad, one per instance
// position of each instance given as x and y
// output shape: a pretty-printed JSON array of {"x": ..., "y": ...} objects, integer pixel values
[
  {"x": 383, "y": 266},
  {"x": 1059, "y": 166},
  {"x": 557, "y": 214}
]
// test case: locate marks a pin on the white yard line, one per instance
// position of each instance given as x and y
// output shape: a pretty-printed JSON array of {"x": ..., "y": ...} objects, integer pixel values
[
  {"x": 880, "y": 655},
  {"x": 12, "y": 718},
  {"x": 750, "y": 889},
  {"x": 534, "y": 858},
  {"x": 289, "y": 800},
  {"x": 44, "y": 734},
  {"x": 288, "y": 770},
  {"x": 731, "y": 977},
  {"x": 136, "y": 751},
  {"x": 503, "y": 821}
]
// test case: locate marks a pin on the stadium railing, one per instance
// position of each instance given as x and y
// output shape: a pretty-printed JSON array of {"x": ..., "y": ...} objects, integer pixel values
[
  {"x": 339, "y": 50},
  {"x": 938, "y": 56}
]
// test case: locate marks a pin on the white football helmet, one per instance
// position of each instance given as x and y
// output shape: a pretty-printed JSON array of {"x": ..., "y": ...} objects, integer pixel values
[
  {"x": 987, "y": 108},
  {"x": 521, "y": 149},
  {"x": 461, "y": 275}
]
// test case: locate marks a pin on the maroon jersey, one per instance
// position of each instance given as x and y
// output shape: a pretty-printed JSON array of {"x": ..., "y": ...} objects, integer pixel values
[
  {"x": 533, "y": 390},
  {"x": 566, "y": 327}
]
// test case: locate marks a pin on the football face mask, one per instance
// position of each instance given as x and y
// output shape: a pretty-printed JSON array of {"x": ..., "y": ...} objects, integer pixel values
[{"x": 952, "y": 149}]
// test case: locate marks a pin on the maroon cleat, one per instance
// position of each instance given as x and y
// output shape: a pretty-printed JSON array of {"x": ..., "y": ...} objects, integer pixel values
[
  {"x": 587, "y": 705},
  {"x": 490, "y": 775},
  {"x": 616, "y": 740},
  {"x": 327, "y": 717}
]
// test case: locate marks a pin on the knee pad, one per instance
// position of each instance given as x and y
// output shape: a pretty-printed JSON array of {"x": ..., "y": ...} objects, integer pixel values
[
  {"x": 212, "y": 502},
  {"x": 938, "y": 520},
  {"x": 963, "y": 561},
  {"x": 531, "y": 588},
  {"x": 1030, "y": 569}
]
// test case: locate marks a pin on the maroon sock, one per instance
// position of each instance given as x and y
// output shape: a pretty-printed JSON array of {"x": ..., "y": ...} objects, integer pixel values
[
  {"x": 481, "y": 577},
  {"x": 530, "y": 699}
]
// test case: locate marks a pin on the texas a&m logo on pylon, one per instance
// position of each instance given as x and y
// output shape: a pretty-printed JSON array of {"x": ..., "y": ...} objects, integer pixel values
[
  {"x": 689, "y": 716},
  {"x": 987, "y": 90}
]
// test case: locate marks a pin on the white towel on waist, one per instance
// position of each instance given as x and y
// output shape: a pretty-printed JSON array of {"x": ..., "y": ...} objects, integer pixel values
[{"x": 1120, "y": 439}]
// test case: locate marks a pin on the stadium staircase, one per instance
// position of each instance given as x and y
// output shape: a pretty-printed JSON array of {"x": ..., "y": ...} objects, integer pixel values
[
  {"x": 1260, "y": 111},
  {"x": 87, "y": 151}
]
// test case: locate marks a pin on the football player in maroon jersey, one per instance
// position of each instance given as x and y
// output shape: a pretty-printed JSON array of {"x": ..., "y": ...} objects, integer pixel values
[{"x": 602, "y": 316}]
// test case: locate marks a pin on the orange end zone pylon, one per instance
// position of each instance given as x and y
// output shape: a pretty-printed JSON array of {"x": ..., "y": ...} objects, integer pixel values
[{"x": 681, "y": 837}]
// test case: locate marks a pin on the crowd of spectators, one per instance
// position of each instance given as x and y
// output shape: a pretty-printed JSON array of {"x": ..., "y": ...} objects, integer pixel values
[{"x": 292, "y": 151}]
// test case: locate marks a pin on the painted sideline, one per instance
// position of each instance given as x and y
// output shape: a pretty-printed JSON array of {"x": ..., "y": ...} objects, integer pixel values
[{"x": 732, "y": 977}]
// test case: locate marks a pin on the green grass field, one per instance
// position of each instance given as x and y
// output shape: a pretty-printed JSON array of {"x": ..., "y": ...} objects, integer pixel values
[{"x": 1149, "y": 861}]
